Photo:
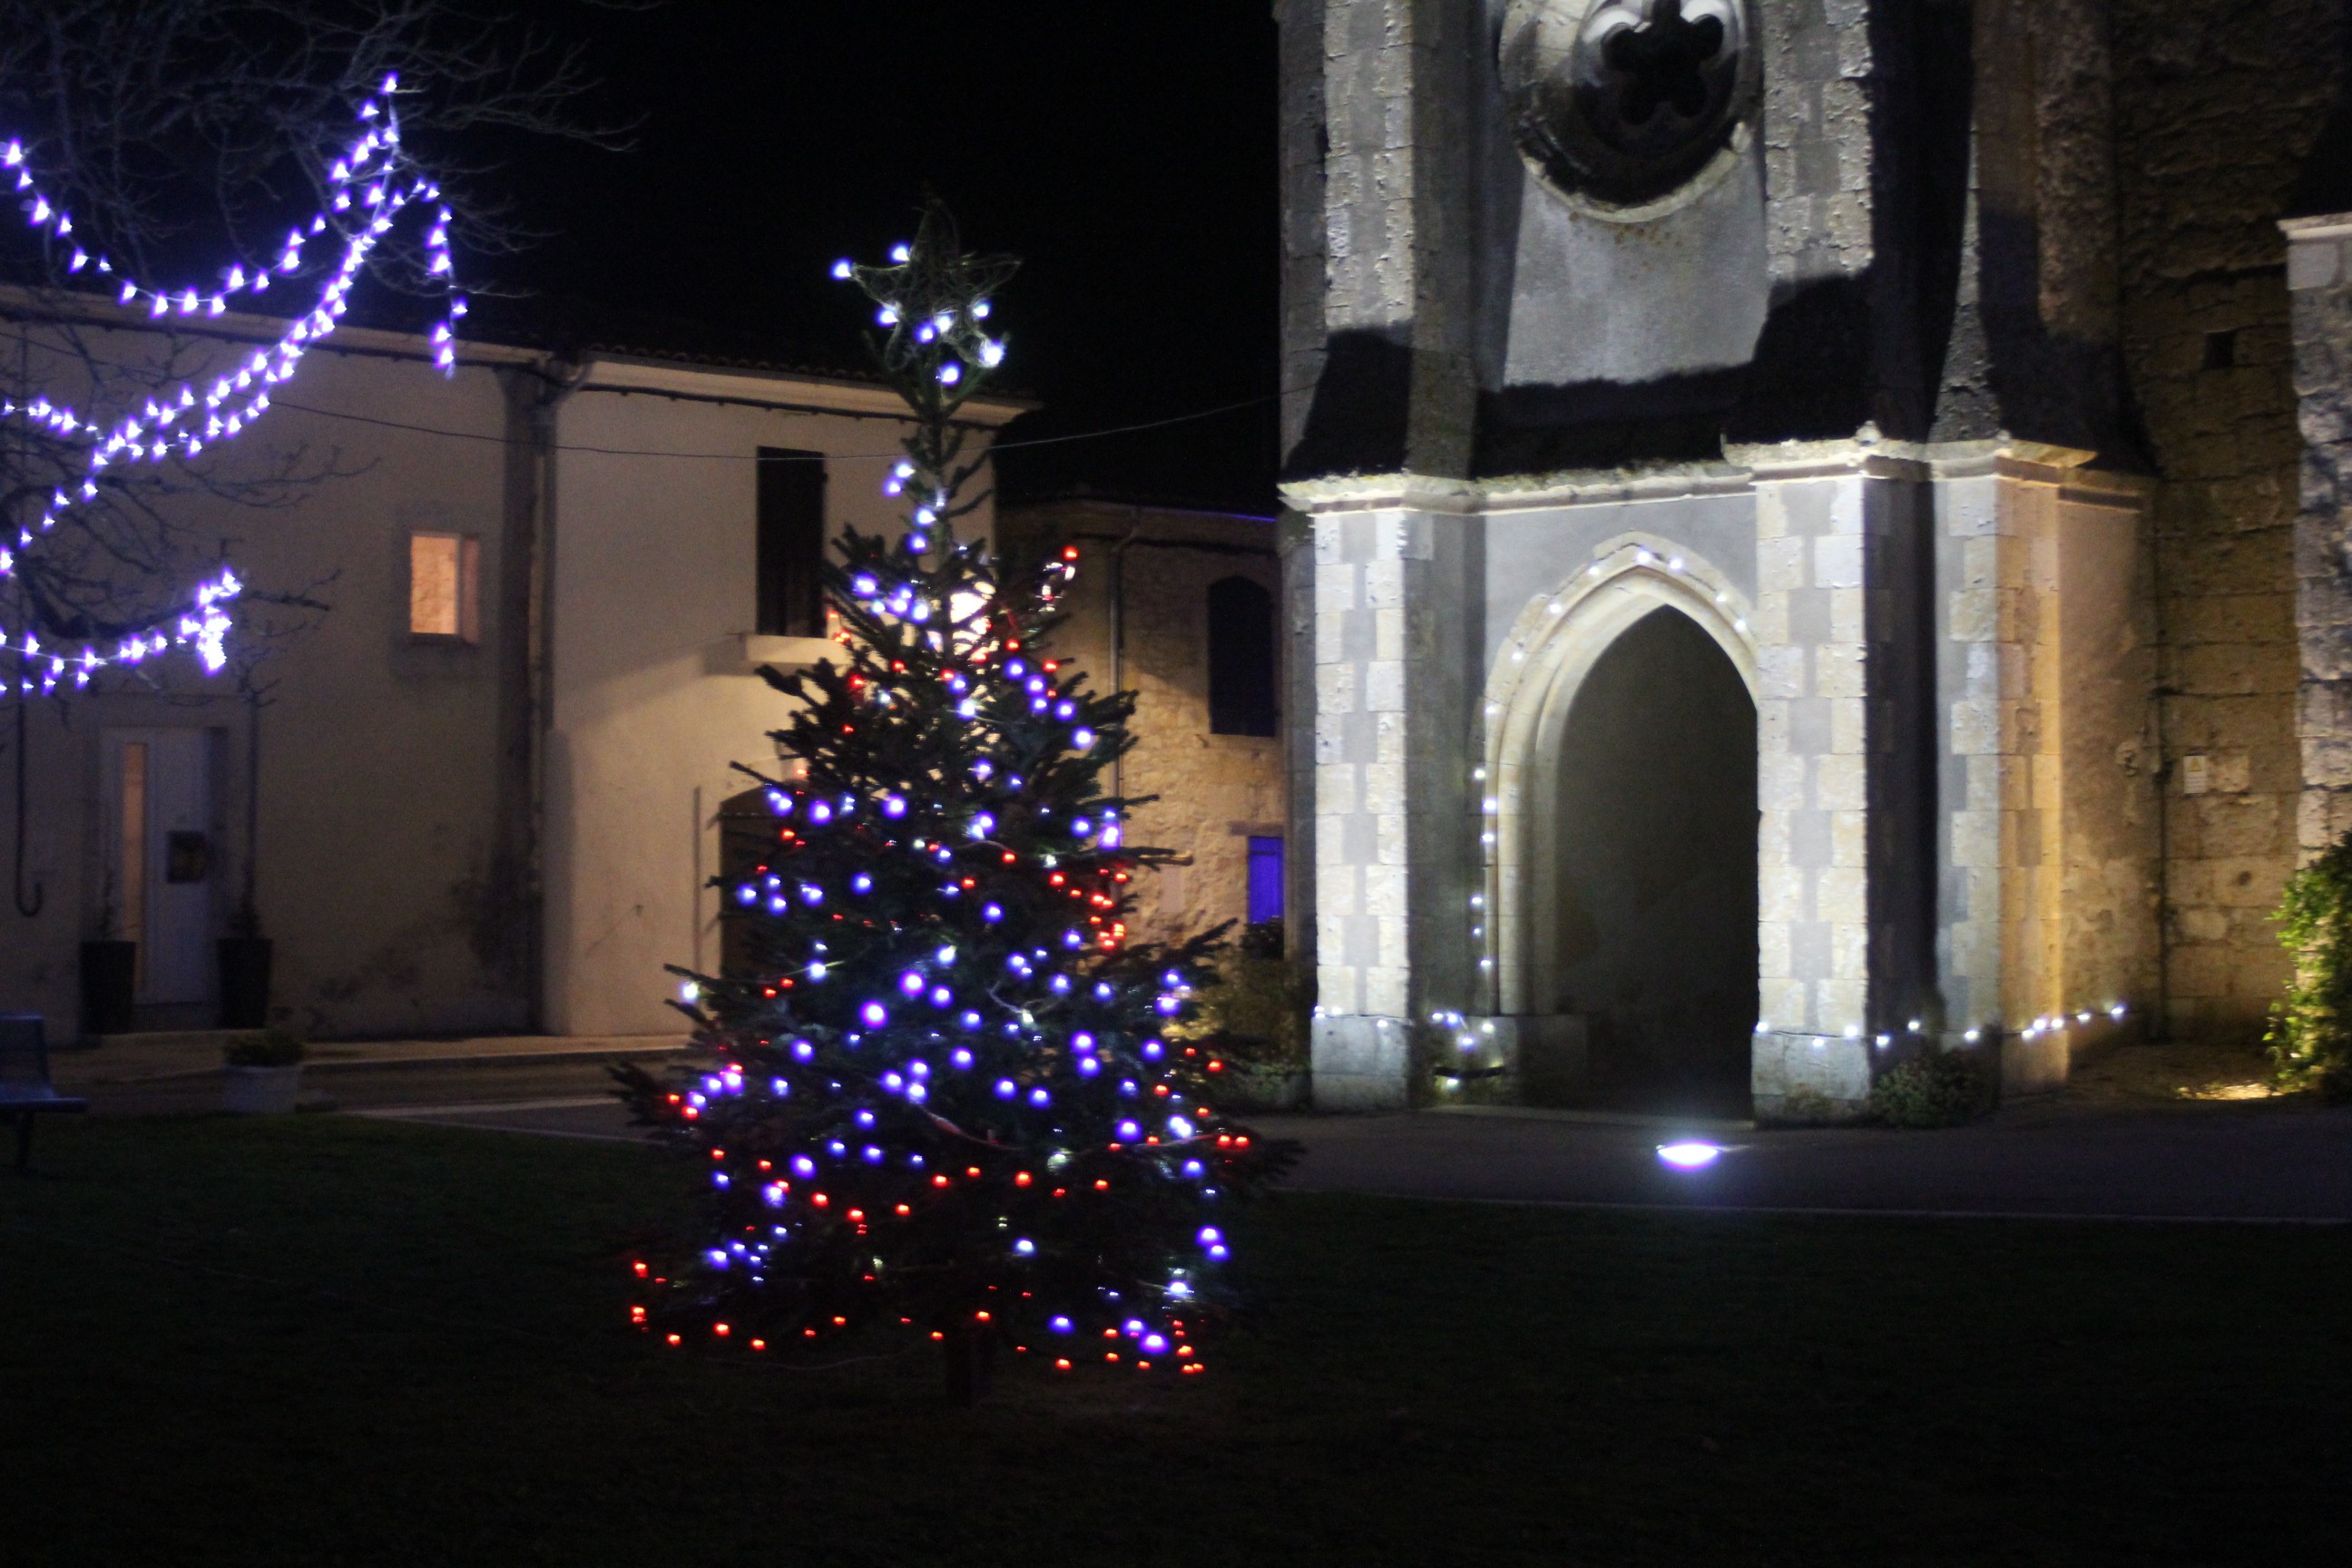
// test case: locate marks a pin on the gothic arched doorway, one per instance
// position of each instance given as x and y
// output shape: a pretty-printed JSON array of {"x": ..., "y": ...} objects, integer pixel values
[{"x": 1654, "y": 851}]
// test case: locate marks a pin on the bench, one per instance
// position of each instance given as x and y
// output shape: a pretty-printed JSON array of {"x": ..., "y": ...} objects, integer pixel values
[{"x": 26, "y": 1090}]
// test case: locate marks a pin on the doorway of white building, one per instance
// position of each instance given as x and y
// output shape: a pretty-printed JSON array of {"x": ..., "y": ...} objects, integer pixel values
[
  {"x": 160, "y": 860},
  {"x": 1654, "y": 924}
]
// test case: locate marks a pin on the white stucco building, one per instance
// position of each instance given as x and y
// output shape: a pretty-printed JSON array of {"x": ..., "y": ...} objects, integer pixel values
[{"x": 489, "y": 780}]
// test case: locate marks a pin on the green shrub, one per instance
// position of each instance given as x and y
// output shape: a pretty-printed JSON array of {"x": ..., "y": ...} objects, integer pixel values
[
  {"x": 1937, "y": 1088},
  {"x": 2310, "y": 1036},
  {"x": 273, "y": 1048},
  {"x": 1256, "y": 1010}
]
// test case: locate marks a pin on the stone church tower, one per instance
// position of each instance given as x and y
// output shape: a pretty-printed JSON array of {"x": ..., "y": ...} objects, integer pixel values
[{"x": 1795, "y": 556}]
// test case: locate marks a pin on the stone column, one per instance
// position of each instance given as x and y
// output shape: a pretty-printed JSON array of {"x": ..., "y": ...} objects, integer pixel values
[
  {"x": 1392, "y": 872},
  {"x": 2319, "y": 282},
  {"x": 2045, "y": 669},
  {"x": 1391, "y": 401},
  {"x": 1841, "y": 783},
  {"x": 1997, "y": 558}
]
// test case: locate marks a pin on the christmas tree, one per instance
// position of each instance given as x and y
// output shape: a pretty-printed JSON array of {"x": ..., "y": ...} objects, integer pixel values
[{"x": 938, "y": 1099}]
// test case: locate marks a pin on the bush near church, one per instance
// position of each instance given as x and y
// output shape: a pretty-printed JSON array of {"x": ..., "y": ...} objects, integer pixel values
[
  {"x": 2310, "y": 1036},
  {"x": 1938, "y": 1088}
]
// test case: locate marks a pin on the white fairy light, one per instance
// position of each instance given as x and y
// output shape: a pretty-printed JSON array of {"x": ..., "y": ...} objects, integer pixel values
[{"x": 234, "y": 399}]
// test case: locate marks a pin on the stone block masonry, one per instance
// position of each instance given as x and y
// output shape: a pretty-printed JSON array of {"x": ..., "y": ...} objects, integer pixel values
[
  {"x": 2219, "y": 108},
  {"x": 1391, "y": 852},
  {"x": 1844, "y": 714},
  {"x": 2319, "y": 279}
]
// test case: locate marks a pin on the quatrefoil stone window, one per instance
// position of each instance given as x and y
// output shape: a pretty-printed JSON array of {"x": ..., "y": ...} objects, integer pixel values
[{"x": 1629, "y": 106}]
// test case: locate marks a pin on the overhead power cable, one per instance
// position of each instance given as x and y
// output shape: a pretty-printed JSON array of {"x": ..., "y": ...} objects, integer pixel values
[{"x": 740, "y": 456}]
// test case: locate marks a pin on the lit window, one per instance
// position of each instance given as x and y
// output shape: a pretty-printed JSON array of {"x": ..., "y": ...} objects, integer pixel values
[
  {"x": 444, "y": 586},
  {"x": 1264, "y": 879}
]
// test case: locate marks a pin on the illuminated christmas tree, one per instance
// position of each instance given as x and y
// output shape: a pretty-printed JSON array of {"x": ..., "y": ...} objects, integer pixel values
[{"x": 937, "y": 1100}]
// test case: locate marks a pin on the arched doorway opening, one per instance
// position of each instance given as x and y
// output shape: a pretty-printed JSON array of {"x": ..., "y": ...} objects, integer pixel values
[{"x": 1653, "y": 934}]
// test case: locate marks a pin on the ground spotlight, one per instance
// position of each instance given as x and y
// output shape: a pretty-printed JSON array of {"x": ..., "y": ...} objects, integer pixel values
[{"x": 1690, "y": 1156}]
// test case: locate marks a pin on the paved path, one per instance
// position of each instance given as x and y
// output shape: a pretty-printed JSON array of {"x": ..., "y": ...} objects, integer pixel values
[
  {"x": 2277, "y": 1163},
  {"x": 2289, "y": 1162}
]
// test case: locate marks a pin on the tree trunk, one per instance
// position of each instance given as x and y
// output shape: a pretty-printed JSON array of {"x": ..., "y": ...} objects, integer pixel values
[{"x": 970, "y": 1362}]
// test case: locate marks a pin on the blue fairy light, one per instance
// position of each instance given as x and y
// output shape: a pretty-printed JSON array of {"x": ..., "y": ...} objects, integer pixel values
[
  {"x": 874, "y": 1015},
  {"x": 1006, "y": 1089}
]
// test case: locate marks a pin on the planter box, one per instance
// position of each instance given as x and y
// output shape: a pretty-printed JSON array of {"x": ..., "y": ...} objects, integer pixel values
[
  {"x": 1263, "y": 1089},
  {"x": 260, "y": 1092}
]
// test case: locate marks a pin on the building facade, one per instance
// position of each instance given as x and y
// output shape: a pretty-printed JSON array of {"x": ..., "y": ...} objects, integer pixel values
[
  {"x": 1178, "y": 604},
  {"x": 1797, "y": 558},
  {"x": 488, "y": 782}
]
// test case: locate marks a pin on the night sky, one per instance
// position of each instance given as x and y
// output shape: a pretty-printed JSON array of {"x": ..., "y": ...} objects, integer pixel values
[{"x": 1126, "y": 151}]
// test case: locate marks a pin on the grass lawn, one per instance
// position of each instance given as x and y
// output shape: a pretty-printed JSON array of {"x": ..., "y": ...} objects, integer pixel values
[{"x": 318, "y": 1342}]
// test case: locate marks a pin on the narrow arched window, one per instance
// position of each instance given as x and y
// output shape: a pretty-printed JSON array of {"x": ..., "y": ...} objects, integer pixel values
[{"x": 1241, "y": 658}]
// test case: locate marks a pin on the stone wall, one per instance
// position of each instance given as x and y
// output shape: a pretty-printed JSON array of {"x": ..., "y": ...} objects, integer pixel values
[
  {"x": 1215, "y": 792},
  {"x": 2216, "y": 107},
  {"x": 2319, "y": 276}
]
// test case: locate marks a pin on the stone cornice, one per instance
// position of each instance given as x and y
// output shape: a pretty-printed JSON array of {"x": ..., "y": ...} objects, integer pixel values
[{"x": 1865, "y": 455}]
